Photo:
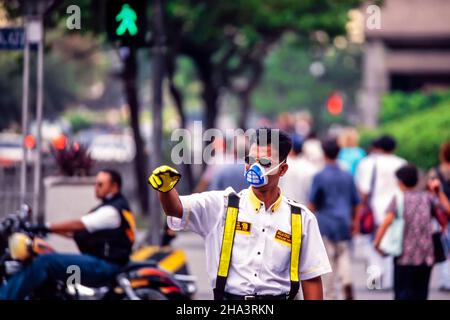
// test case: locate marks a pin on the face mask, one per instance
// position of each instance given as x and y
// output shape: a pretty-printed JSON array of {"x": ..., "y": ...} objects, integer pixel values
[{"x": 256, "y": 175}]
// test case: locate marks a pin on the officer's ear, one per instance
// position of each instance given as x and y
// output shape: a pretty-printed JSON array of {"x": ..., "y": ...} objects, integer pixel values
[{"x": 283, "y": 168}]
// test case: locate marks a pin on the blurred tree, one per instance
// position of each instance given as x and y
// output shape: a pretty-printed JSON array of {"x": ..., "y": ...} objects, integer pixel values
[
  {"x": 396, "y": 105},
  {"x": 129, "y": 77},
  {"x": 68, "y": 72},
  {"x": 299, "y": 77},
  {"x": 228, "y": 40},
  {"x": 64, "y": 84},
  {"x": 93, "y": 22},
  {"x": 10, "y": 86}
]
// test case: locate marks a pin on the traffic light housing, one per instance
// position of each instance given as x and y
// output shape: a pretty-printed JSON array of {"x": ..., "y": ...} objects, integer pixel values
[{"x": 127, "y": 22}]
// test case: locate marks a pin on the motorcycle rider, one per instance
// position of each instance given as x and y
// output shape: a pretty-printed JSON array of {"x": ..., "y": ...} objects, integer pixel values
[{"x": 104, "y": 236}]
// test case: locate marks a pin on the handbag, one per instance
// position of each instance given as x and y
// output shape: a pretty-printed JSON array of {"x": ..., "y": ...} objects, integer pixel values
[
  {"x": 392, "y": 241},
  {"x": 367, "y": 219},
  {"x": 438, "y": 242}
]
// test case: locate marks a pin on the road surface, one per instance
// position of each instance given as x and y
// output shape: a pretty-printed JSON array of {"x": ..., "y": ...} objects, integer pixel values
[{"x": 192, "y": 244}]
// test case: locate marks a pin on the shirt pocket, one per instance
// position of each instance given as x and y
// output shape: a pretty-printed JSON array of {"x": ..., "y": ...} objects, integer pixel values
[
  {"x": 279, "y": 255},
  {"x": 242, "y": 246}
]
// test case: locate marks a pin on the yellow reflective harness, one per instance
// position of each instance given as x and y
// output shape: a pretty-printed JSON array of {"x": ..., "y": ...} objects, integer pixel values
[{"x": 228, "y": 240}]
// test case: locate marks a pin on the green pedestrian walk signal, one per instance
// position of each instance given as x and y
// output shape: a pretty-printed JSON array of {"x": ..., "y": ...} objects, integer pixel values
[
  {"x": 127, "y": 18},
  {"x": 126, "y": 22}
]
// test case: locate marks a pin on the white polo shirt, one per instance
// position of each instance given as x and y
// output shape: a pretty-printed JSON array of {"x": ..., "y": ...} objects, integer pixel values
[
  {"x": 386, "y": 184},
  {"x": 260, "y": 261}
]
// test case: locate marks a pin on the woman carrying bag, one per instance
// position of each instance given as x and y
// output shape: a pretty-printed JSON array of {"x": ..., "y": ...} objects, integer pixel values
[{"x": 407, "y": 234}]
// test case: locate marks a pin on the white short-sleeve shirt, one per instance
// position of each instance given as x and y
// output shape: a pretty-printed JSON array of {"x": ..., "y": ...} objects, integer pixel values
[
  {"x": 260, "y": 261},
  {"x": 386, "y": 183},
  {"x": 105, "y": 217}
]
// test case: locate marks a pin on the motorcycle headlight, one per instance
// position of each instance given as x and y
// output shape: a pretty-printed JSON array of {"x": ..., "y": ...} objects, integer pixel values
[{"x": 19, "y": 246}]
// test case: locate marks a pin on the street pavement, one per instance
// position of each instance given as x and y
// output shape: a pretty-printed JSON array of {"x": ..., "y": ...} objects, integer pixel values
[{"x": 193, "y": 246}]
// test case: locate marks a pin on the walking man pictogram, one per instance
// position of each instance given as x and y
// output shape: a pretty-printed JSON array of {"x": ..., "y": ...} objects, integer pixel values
[{"x": 128, "y": 18}]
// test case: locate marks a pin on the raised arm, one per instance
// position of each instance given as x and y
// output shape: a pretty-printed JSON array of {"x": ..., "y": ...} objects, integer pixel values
[{"x": 171, "y": 204}]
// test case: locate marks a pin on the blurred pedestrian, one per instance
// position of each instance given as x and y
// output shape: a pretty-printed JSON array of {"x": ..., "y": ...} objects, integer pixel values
[
  {"x": 442, "y": 172},
  {"x": 335, "y": 198},
  {"x": 312, "y": 151},
  {"x": 217, "y": 162},
  {"x": 286, "y": 122},
  {"x": 231, "y": 174},
  {"x": 412, "y": 268},
  {"x": 351, "y": 154},
  {"x": 296, "y": 183},
  {"x": 375, "y": 175}
]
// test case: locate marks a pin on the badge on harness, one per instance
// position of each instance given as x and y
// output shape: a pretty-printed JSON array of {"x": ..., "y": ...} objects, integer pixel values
[{"x": 243, "y": 227}]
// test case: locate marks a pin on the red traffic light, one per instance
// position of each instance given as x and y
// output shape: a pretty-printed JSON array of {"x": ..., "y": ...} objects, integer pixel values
[
  {"x": 335, "y": 104},
  {"x": 29, "y": 141},
  {"x": 60, "y": 142}
]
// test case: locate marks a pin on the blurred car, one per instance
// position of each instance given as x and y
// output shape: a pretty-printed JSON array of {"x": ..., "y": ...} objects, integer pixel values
[
  {"x": 10, "y": 148},
  {"x": 112, "y": 147},
  {"x": 11, "y": 152}
]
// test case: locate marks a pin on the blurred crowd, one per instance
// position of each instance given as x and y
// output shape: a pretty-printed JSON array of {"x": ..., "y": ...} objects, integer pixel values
[{"x": 354, "y": 191}]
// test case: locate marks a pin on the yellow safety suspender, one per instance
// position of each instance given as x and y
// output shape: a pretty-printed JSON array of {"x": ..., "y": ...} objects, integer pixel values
[
  {"x": 227, "y": 245},
  {"x": 228, "y": 240},
  {"x": 296, "y": 244}
]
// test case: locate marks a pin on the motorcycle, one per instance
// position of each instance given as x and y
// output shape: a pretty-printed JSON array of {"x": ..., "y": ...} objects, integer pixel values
[{"x": 138, "y": 280}]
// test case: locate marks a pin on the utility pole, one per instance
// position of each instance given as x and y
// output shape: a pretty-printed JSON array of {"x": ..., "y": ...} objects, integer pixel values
[
  {"x": 158, "y": 68},
  {"x": 34, "y": 34},
  {"x": 25, "y": 107},
  {"x": 39, "y": 110}
]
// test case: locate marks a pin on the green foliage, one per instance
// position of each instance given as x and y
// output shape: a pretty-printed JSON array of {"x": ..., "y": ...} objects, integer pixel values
[
  {"x": 210, "y": 22},
  {"x": 418, "y": 135},
  {"x": 228, "y": 40},
  {"x": 396, "y": 105},
  {"x": 288, "y": 84},
  {"x": 65, "y": 81},
  {"x": 11, "y": 88},
  {"x": 79, "y": 122}
]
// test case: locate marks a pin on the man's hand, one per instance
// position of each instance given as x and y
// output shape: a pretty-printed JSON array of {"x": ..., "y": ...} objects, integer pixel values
[
  {"x": 164, "y": 178},
  {"x": 38, "y": 229}
]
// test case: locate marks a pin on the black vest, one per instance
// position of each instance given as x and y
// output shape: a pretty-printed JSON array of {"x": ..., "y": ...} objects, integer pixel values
[{"x": 112, "y": 245}]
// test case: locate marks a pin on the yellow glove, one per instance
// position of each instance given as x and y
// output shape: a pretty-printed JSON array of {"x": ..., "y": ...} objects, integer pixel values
[{"x": 164, "y": 178}]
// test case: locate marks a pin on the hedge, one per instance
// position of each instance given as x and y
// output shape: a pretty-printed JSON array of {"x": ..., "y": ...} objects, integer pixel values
[
  {"x": 418, "y": 135},
  {"x": 395, "y": 105}
]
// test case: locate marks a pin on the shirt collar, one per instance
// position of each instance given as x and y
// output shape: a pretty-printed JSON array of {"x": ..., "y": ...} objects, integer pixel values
[
  {"x": 110, "y": 196},
  {"x": 257, "y": 204}
]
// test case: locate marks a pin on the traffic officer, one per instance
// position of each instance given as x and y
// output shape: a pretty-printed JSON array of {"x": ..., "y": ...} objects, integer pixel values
[{"x": 259, "y": 244}]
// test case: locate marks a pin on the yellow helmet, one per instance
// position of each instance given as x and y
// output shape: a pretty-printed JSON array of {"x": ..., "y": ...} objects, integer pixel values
[{"x": 20, "y": 246}]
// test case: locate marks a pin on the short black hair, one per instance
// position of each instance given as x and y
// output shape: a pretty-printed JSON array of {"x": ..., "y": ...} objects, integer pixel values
[
  {"x": 386, "y": 143},
  {"x": 408, "y": 175},
  {"x": 264, "y": 138},
  {"x": 115, "y": 176},
  {"x": 330, "y": 148},
  {"x": 445, "y": 151}
]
